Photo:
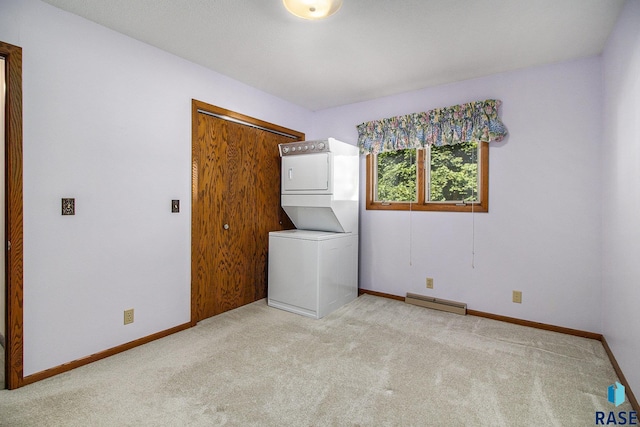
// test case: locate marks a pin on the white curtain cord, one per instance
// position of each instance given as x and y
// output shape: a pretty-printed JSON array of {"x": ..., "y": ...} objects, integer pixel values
[
  {"x": 473, "y": 237},
  {"x": 473, "y": 214},
  {"x": 411, "y": 218}
]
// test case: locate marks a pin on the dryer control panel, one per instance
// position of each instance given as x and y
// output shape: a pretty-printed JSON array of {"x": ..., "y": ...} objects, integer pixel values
[{"x": 304, "y": 147}]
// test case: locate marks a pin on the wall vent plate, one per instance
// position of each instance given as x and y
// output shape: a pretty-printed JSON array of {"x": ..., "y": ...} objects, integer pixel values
[
  {"x": 68, "y": 206},
  {"x": 437, "y": 303},
  {"x": 175, "y": 206}
]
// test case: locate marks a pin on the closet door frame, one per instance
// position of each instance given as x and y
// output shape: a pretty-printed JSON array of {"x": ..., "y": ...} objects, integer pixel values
[
  {"x": 14, "y": 350},
  {"x": 199, "y": 107}
]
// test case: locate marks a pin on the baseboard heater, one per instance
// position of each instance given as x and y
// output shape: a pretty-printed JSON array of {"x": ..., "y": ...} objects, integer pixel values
[{"x": 436, "y": 303}]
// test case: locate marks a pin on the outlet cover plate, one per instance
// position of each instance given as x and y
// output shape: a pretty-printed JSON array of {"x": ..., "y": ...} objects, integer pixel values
[
  {"x": 517, "y": 297},
  {"x": 128, "y": 316},
  {"x": 429, "y": 282}
]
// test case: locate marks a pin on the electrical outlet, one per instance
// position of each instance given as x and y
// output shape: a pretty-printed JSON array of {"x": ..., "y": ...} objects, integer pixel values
[
  {"x": 128, "y": 316},
  {"x": 429, "y": 282},
  {"x": 517, "y": 297}
]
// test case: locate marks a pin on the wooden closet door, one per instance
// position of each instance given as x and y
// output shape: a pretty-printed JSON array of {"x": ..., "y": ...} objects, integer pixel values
[
  {"x": 236, "y": 202},
  {"x": 267, "y": 214}
]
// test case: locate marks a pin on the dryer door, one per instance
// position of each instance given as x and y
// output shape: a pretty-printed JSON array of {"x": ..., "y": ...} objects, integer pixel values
[{"x": 307, "y": 174}]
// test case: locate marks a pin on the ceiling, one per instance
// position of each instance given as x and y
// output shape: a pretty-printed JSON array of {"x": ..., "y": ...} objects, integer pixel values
[{"x": 369, "y": 49}]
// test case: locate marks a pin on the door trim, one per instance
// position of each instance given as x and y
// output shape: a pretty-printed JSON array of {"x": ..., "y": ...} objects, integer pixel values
[
  {"x": 14, "y": 367},
  {"x": 204, "y": 108}
]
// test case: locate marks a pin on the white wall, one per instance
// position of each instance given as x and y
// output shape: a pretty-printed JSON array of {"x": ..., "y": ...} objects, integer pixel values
[
  {"x": 542, "y": 232},
  {"x": 107, "y": 120},
  {"x": 621, "y": 194}
]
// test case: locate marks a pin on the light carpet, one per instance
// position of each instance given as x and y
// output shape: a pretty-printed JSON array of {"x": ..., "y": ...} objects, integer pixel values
[{"x": 374, "y": 362}]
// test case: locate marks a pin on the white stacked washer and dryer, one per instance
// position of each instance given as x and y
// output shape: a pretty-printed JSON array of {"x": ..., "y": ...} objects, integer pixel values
[{"x": 313, "y": 270}]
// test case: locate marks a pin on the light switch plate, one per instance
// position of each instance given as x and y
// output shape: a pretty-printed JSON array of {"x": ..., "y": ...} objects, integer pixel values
[
  {"x": 175, "y": 206},
  {"x": 68, "y": 206}
]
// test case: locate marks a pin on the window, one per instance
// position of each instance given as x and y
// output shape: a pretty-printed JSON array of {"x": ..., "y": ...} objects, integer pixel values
[
  {"x": 396, "y": 177},
  {"x": 447, "y": 178},
  {"x": 443, "y": 158}
]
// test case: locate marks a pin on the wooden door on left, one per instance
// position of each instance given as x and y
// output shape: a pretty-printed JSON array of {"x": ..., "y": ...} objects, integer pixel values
[{"x": 235, "y": 204}]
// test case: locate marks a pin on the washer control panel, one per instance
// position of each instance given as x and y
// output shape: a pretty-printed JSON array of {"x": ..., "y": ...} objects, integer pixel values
[{"x": 303, "y": 147}]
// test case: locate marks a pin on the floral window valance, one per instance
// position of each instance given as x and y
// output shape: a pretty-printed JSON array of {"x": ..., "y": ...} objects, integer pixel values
[{"x": 475, "y": 121}]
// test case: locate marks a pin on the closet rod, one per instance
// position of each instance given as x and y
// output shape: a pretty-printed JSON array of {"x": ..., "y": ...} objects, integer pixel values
[{"x": 242, "y": 122}]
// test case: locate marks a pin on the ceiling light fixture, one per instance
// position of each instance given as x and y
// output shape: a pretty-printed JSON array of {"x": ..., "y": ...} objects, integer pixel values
[{"x": 312, "y": 9}]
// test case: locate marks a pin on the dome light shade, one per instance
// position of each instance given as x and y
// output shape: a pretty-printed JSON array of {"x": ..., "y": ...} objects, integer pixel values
[{"x": 312, "y": 9}]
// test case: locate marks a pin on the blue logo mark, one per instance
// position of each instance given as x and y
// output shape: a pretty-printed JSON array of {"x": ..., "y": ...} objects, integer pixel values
[{"x": 615, "y": 394}]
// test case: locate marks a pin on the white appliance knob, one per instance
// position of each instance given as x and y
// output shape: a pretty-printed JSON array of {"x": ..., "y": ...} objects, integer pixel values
[
  {"x": 313, "y": 147},
  {"x": 306, "y": 147},
  {"x": 293, "y": 148},
  {"x": 285, "y": 149},
  {"x": 321, "y": 146}
]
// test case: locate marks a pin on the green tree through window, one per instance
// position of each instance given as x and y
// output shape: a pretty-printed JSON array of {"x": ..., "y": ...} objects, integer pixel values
[
  {"x": 447, "y": 178},
  {"x": 397, "y": 176},
  {"x": 453, "y": 173}
]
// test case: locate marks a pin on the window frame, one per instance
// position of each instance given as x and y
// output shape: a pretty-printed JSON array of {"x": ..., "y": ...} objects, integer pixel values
[{"x": 421, "y": 204}]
